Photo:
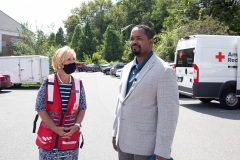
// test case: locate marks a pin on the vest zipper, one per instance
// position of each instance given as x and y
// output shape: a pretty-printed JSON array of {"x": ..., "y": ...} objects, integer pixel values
[{"x": 62, "y": 113}]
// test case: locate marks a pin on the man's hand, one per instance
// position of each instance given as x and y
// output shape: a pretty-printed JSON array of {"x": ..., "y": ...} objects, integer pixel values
[
  {"x": 160, "y": 158},
  {"x": 114, "y": 143}
]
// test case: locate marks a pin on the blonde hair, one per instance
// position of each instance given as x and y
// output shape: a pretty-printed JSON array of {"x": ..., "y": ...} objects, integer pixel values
[{"x": 61, "y": 55}]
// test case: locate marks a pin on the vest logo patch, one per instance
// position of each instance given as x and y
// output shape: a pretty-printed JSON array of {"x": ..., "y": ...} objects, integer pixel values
[
  {"x": 71, "y": 142},
  {"x": 46, "y": 138},
  {"x": 75, "y": 91},
  {"x": 75, "y": 107}
]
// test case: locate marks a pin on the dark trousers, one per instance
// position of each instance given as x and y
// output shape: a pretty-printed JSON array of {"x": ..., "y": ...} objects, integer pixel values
[{"x": 128, "y": 156}]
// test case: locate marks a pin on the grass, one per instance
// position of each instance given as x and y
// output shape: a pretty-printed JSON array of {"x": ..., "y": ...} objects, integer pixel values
[
  {"x": 31, "y": 85},
  {"x": 28, "y": 85}
]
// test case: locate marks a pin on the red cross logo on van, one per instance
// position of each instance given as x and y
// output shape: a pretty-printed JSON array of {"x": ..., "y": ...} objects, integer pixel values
[
  {"x": 220, "y": 56},
  {"x": 180, "y": 54}
]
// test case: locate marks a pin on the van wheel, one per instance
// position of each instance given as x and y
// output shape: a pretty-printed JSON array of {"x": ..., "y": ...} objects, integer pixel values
[
  {"x": 205, "y": 100},
  {"x": 229, "y": 100}
]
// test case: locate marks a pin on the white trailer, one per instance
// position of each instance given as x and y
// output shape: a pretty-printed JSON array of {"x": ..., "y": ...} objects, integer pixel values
[
  {"x": 25, "y": 69},
  {"x": 207, "y": 68}
]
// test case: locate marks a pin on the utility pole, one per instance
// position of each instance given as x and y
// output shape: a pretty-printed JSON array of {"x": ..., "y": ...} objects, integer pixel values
[{"x": 124, "y": 28}]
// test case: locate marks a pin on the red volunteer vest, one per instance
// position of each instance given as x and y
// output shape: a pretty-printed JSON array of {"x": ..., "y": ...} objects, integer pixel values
[{"x": 46, "y": 138}]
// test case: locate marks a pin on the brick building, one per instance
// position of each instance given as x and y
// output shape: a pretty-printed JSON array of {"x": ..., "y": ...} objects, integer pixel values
[{"x": 8, "y": 33}]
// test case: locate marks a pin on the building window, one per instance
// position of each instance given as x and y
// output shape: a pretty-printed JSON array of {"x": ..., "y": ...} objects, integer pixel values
[
  {"x": 4, "y": 43},
  {"x": 13, "y": 40}
]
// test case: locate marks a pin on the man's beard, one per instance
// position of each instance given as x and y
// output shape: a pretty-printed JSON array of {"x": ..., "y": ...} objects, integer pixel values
[{"x": 136, "y": 53}]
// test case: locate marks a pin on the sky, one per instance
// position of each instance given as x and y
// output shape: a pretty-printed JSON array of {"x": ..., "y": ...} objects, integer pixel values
[{"x": 40, "y": 13}]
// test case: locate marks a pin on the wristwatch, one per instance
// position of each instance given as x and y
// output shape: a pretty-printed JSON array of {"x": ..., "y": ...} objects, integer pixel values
[{"x": 77, "y": 124}]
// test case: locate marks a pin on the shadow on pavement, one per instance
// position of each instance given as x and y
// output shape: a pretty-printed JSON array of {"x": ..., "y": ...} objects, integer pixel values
[
  {"x": 214, "y": 109},
  {"x": 24, "y": 88},
  {"x": 3, "y": 91}
]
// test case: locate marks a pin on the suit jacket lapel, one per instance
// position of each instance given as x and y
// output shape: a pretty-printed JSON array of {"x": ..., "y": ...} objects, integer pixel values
[
  {"x": 125, "y": 76},
  {"x": 142, "y": 73}
]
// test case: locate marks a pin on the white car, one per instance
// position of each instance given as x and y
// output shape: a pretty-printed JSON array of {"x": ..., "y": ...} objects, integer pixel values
[
  {"x": 171, "y": 64},
  {"x": 119, "y": 73}
]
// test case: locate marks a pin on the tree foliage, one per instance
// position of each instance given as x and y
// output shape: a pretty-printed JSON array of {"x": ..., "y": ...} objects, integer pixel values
[
  {"x": 51, "y": 40},
  {"x": 88, "y": 42},
  {"x": 94, "y": 29},
  {"x": 60, "y": 39},
  {"x": 112, "y": 47},
  {"x": 35, "y": 44},
  {"x": 76, "y": 42},
  {"x": 168, "y": 40}
]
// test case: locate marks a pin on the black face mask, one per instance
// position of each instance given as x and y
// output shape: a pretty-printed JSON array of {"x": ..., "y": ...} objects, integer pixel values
[{"x": 69, "y": 68}]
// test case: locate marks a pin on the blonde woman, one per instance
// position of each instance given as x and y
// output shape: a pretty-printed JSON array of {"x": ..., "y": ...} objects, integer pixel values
[{"x": 61, "y": 104}]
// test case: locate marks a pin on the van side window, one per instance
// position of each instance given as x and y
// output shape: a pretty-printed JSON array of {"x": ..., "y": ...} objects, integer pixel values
[{"x": 185, "y": 58}]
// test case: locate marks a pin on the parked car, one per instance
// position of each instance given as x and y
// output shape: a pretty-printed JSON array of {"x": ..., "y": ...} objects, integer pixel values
[
  {"x": 116, "y": 67},
  {"x": 107, "y": 70},
  {"x": 119, "y": 73},
  {"x": 171, "y": 64},
  {"x": 105, "y": 66},
  {"x": 5, "y": 81},
  {"x": 81, "y": 66},
  {"x": 92, "y": 67}
]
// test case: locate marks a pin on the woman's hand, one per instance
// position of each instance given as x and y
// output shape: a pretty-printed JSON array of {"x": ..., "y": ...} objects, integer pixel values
[
  {"x": 61, "y": 131},
  {"x": 70, "y": 131}
]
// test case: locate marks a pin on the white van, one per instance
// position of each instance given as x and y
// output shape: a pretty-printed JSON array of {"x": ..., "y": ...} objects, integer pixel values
[
  {"x": 25, "y": 69},
  {"x": 207, "y": 68}
]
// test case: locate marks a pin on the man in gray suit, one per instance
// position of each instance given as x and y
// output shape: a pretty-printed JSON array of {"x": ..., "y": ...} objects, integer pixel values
[{"x": 148, "y": 103}]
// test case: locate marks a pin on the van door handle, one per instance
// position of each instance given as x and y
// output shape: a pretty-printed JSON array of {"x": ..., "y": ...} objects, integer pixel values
[{"x": 185, "y": 71}]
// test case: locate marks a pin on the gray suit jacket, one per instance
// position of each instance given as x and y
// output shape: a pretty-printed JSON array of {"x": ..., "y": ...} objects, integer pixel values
[{"x": 146, "y": 117}]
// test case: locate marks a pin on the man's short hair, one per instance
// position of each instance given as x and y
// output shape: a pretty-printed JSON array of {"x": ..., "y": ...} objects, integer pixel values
[{"x": 148, "y": 31}]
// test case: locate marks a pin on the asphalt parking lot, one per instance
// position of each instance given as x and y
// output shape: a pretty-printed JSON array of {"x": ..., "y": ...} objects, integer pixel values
[{"x": 204, "y": 131}]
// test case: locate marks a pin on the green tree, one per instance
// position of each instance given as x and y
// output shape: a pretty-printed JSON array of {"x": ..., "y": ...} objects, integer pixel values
[
  {"x": 96, "y": 58},
  {"x": 96, "y": 12},
  {"x": 169, "y": 39},
  {"x": 160, "y": 12},
  {"x": 38, "y": 45},
  {"x": 127, "y": 54},
  {"x": 35, "y": 44},
  {"x": 226, "y": 11},
  {"x": 180, "y": 12},
  {"x": 89, "y": 42},
  {"x": 51, "y": 40},
  {"x": 100, "y": 16},
  {"x": 87, "y": 59},
  {"x": 118, "y": 16},
  {"x": 21, "y": 49},
  {"x": 60, "y": 40},
  {"x": 112, "y": 47},
  {"x": 76, "y": 42},
  {"x": 70, "y": 25}
]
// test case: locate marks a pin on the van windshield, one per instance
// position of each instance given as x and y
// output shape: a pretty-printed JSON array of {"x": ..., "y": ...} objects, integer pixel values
[{"x": 185, "y": 58}]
